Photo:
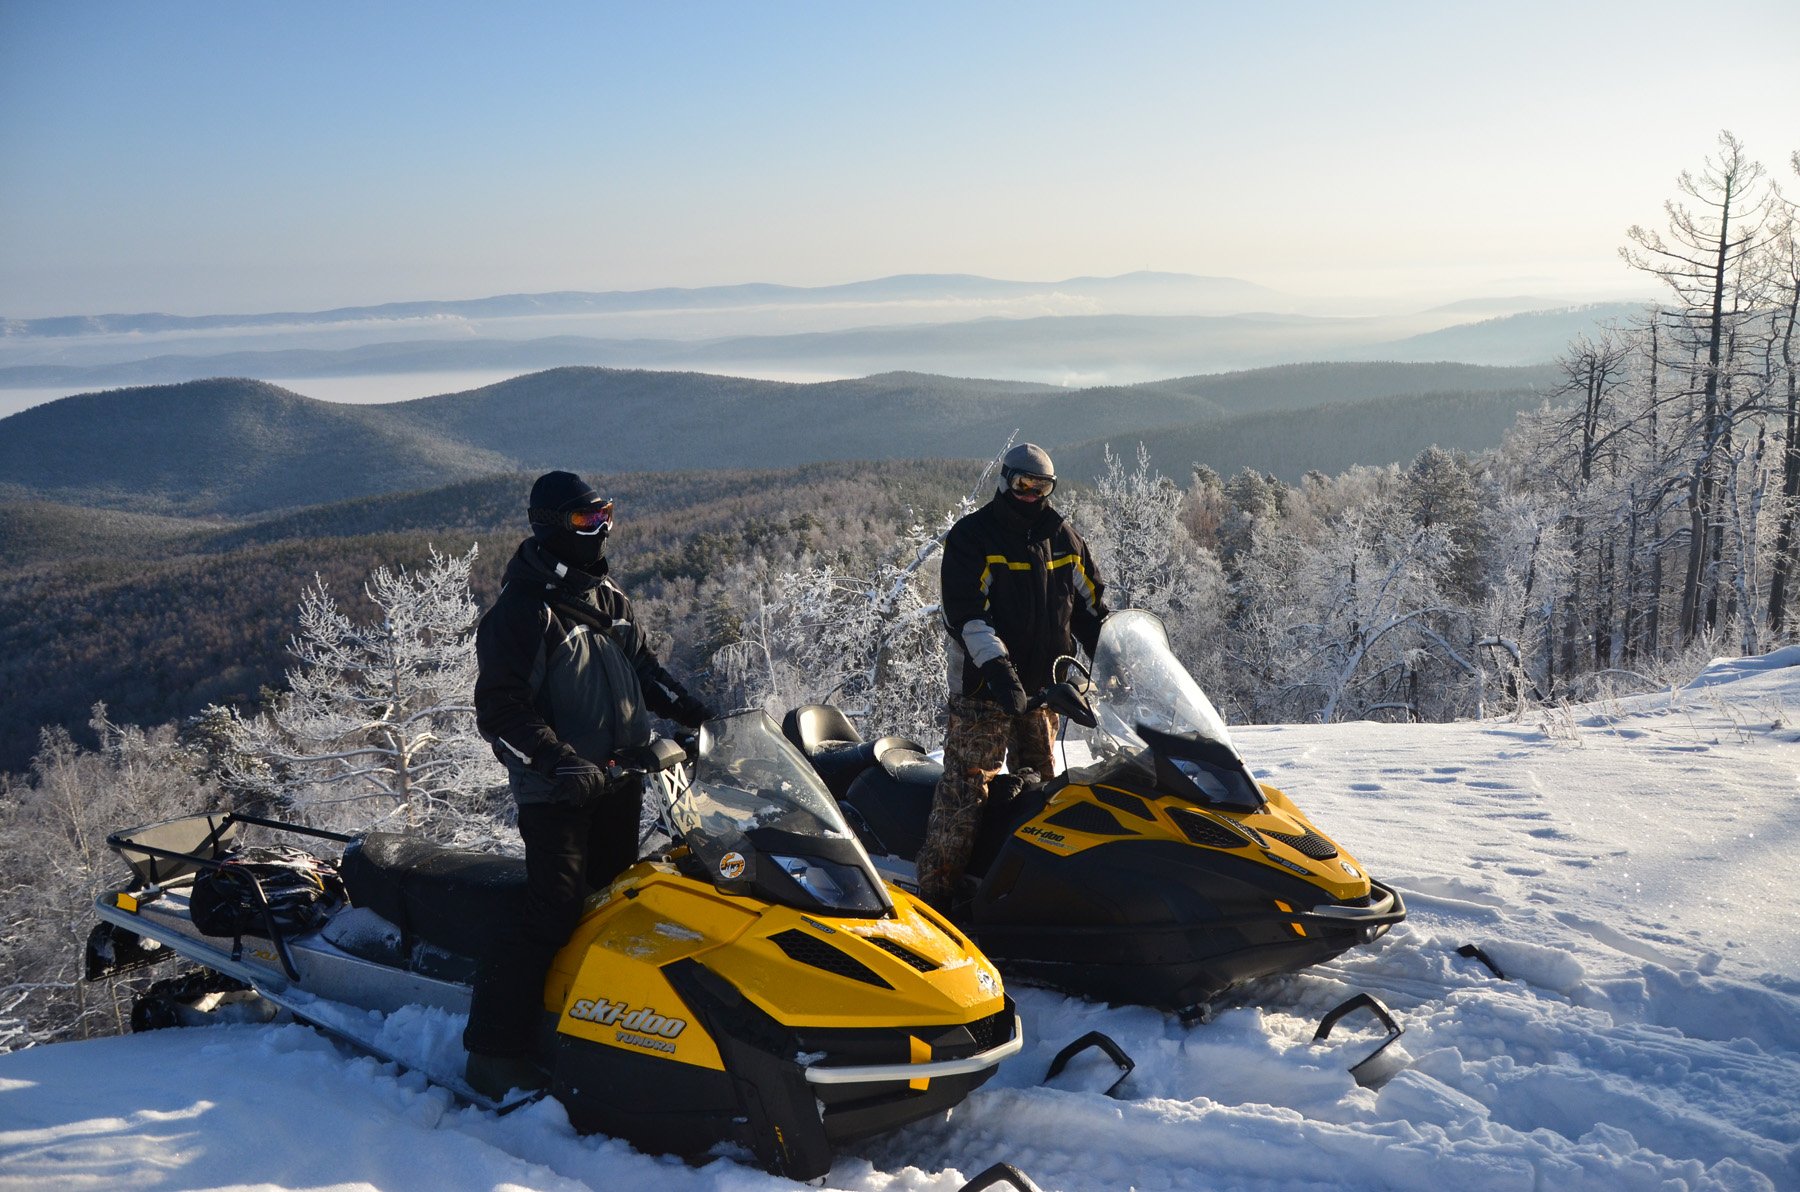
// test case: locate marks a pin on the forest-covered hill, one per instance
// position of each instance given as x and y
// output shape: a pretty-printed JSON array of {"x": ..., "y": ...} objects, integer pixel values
[
  {"x": 158, "y": 616},
  {"x": 154, "y": 543},
  {"x": 1328, "y": 439},
  {"x": 239, "y": 448},
  {"x": 227, "y": 446}
]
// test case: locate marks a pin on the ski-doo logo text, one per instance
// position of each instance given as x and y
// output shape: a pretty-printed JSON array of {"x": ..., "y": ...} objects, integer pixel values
[{"x": 620, "y": 1014}]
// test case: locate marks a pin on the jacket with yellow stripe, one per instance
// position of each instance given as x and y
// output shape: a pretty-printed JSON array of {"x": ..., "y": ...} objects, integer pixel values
[{"x": 1017, "y": 582}]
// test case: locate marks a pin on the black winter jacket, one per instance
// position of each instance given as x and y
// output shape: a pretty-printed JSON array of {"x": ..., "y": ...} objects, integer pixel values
[
  {"x": 562, "y": 663},
  {"x": 1020, "y": 585}
]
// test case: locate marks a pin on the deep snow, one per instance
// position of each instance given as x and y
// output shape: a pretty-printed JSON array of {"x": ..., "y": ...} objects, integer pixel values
[{"x": 1628, "y": 865}]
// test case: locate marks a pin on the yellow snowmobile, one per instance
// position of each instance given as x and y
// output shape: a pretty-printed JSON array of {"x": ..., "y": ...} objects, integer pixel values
[
  {"x": 1163, "y": 873},
  {"x": 752, "y": 982}
]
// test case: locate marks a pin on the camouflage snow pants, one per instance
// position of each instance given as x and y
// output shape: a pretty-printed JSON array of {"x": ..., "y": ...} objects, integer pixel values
[{"x": 978, "y": 738}]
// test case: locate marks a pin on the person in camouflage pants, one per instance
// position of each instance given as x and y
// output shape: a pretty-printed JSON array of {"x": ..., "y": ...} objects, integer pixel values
[
  {"x": 1020, "y": 591},
  {"x": 980, "y": 735}
]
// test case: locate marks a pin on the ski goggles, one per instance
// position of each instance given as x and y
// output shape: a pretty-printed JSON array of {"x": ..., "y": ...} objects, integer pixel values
[
  {"x": 1024, "y": 484},
  {"x": 590, "y": 519}
]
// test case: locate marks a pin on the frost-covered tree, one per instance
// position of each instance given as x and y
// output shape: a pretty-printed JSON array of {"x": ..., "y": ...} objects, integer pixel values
[
  {"x": 1784, "y": 290},
  {"x": 1137, "y": 522},
  {"x": 376, "y": 727},
  {"x": 1342, "y": 611},
  {"x": 869, "y": 640},
  {"x": 1709, "y": 262},
  {"x": 54, "y": 821}
]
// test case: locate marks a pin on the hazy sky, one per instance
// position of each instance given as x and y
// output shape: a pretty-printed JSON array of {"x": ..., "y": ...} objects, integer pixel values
[{"x": 196, "y": 157}]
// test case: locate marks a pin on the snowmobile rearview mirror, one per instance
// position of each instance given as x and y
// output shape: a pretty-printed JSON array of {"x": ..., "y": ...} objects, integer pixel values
[{"x": 1064, "y": 700}]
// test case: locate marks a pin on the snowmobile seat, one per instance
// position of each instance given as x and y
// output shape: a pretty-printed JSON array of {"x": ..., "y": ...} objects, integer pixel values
[
  {"x": 454, "y": 899},
  {"x": 817, "y": 726},
  {"x": 892, "y": 798},
  {"x": 831, "y": 743}
]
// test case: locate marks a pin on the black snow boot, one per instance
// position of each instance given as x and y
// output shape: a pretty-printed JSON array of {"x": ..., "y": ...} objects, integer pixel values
[{"x": 493, "y": 1076}]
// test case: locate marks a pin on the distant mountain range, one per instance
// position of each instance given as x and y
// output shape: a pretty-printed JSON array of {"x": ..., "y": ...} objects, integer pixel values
[
  {"x": 240, "y": 448},
  {"x": 1059, "y": 349},
  {"x": 1169, "y": 292},
  {"x": 1078, "y": 331}
]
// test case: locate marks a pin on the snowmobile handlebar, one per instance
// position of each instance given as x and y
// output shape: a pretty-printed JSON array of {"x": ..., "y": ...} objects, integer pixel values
[
  {"x": 1066, "y": 700},
  {"x": 657, "y": 755}
]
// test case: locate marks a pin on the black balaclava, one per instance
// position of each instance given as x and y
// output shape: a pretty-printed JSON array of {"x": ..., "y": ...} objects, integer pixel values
[{"x": 557, "y": 493}]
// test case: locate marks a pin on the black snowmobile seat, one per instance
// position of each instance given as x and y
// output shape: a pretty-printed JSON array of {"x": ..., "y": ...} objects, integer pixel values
[
  {"x": 830, "y": 742},
  {"x": 812, "y": 727},
  {"x": 892, "y": 797},
  {"x": 453, "y": 899},
  {"x": 836, "y": 750}
]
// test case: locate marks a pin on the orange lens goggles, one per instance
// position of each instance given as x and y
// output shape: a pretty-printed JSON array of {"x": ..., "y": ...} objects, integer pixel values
[
  {"x": 586, "y": 521},
  {"x": 1032, "y": 486}
]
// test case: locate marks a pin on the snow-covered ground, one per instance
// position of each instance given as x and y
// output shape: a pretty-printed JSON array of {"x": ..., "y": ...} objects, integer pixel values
[{"x": 1629, "y": 866}]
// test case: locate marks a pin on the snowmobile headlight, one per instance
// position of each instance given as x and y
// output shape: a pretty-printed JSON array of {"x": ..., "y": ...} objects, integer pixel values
[{"x": 835, "y": 885}]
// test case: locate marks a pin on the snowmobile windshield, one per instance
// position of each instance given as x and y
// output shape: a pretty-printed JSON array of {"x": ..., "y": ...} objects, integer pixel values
[
  {"x": 761, "y": 823},
  {"x": 1150, "y": 709}
]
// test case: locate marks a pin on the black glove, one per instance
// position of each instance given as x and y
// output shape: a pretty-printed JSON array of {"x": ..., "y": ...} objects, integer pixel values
[
  {"x": 1003, "y": 685},
  {"x": 690, "y": 712},
  {"x": 578, "y": 781}
]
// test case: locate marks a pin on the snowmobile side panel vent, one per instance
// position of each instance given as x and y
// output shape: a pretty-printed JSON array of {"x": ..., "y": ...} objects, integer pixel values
[
  {"x": 1120, "y": 801},
  {"x": 1310, "y": 843},
  {"x": 1090, "y": 818},
  {"x": 811, "y": 950},
  {"x": 909, "y": 956},
  {"x": 1203, "y": 830},
  {"x": 993, "y": 1030}
]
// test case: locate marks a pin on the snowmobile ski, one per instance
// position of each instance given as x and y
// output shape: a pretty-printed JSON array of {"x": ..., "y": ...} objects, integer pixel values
[
  {"x": 1370, "y": 1071},
  {"x": 1001, "y": 1175},
  {"x": 1102, "y": 1042}
]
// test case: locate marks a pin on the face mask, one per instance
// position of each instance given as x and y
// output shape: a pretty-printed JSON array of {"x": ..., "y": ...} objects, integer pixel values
[{"x": 578, "y": 550}]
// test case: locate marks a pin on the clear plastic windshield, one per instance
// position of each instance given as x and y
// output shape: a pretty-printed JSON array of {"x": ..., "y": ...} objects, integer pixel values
[
  {"x": 1139, "y": 681},
  {"x": 757, "y": 816}
]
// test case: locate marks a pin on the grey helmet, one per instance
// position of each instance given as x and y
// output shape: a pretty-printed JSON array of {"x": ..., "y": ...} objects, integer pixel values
[{"x": 1027, "y": 459}]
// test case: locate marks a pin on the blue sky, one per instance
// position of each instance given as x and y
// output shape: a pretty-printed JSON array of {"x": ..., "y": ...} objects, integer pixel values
[{"x": 200, "y": 157}]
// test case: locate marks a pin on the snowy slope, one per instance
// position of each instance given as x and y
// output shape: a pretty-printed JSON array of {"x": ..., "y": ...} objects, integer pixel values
[{"x": 1627, "y": 865}]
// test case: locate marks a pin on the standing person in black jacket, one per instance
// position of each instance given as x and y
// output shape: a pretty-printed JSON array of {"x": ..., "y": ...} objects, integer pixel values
[
  {"x": 1020, "y": 589},
  {"x": 565, "y": 681}
]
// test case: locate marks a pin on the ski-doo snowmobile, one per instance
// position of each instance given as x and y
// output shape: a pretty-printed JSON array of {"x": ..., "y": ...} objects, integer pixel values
[
  {"x": 753, "y": 981},
  {"x": 1164, "y": 873}
]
